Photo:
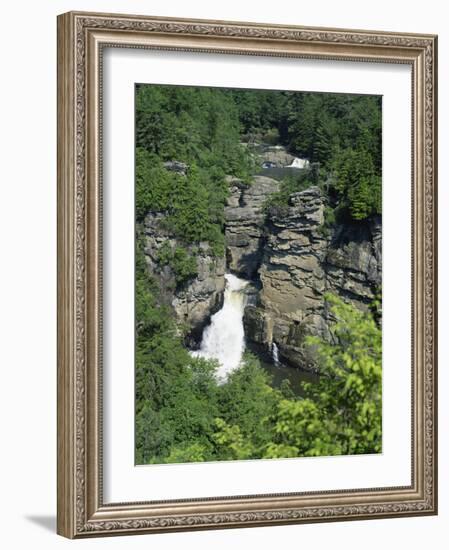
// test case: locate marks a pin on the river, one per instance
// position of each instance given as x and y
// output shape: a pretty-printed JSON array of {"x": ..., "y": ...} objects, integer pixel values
[{"x": 280, "y": 172}]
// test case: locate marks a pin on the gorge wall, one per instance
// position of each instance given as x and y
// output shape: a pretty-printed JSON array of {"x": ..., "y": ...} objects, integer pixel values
[
  {"x": 299, "y": 263},
  {"x": 292, "y": 258},
  {"x": 195, "y": 301},
  {"x": 245, "y": 223}
]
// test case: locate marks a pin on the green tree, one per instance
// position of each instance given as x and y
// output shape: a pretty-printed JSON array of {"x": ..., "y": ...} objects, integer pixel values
[
  {"x": 154, "y": 184},
  {"x": 342, "y": 413},
  {"x": 195, "y": 452},
  {"x": 182, "y": 261},
  {"x": 247, "y": 401},
  {"x": 357, "y": 183},
  {"x": 231, "y": 444}
]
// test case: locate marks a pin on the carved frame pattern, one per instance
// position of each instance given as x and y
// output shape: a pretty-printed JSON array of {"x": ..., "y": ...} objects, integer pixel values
[{"x": 81, "y": 37}]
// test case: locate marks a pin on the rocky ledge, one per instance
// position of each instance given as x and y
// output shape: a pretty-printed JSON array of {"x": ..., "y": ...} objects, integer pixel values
[
  {"x": 290, "y": 256},
  {"x": 299, "y": 264},
  {"x": 245, "y": 223},
  {"x": 197, "y": 299}
]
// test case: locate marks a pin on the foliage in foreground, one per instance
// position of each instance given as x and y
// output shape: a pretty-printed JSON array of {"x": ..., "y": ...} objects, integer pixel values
[
  {"x": 184, "y": 415},
  {"x": 342, "y": 413}
]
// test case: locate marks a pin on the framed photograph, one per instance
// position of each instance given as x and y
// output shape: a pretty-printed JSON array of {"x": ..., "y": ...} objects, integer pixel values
[{"x": 246, "y": 274}]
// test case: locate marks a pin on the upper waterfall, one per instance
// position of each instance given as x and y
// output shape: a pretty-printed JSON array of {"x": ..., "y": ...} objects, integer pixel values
[
  {"x": 298, "y": 163},
  {"x": 224, "y": 338}
]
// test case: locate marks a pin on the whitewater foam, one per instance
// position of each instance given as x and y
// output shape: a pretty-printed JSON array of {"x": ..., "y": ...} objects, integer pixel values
[{"x": 224, "y": 338}]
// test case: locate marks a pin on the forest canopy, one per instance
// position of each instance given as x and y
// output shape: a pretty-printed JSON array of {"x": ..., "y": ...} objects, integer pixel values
[{"x": 204, "y": 128}]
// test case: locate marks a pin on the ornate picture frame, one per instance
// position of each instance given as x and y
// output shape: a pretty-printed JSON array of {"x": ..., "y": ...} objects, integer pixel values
[{"x": 82, "y": 38}]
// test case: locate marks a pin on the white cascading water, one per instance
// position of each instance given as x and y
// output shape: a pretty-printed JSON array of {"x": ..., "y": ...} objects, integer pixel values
[
  {"x": 298, "y": 163},
  {"x": 224, "y": 338},
  {"x": 275, "y": 354}
]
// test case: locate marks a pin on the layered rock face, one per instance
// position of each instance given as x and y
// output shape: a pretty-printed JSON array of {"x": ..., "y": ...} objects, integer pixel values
[
  {"x": 299, "y": 265},
  {"x": 245, "y": 223},
  {"x": 196, "y": 300},
  {"x": 354, "y": 261},
  {"x": 277, "y": 155},
  {"x": 289, "y": 255}
]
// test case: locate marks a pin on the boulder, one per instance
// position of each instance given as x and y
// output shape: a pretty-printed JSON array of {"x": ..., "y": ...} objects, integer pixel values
[
  {"x": 276, "y": 156},
  {"x": 176, "y": 166}
]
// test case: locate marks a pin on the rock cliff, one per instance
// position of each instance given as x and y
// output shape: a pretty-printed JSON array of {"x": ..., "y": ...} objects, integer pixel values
[
  {"x": 275, "y": 154},
  {"x": 299, "y": 264},
  {"x": 199, "y": 297},
  {"x": 245, "y": 223},
  {"x": 290, "y": 256}
]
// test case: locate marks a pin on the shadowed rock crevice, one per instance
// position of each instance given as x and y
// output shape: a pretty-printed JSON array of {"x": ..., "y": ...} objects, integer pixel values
[{"x": 245, "y": 230}]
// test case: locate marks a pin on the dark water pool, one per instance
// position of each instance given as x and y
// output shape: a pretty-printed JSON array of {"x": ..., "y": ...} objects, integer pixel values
[
  {"x": 279, "y": 173},
  {"x": 282, "y": 372}
]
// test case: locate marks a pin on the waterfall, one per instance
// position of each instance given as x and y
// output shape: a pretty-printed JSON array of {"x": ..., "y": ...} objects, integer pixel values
[
  {"x": 275, "y": 354},
  {"x": 224, "y": 338},
  {"x": 298, "y": 163}
]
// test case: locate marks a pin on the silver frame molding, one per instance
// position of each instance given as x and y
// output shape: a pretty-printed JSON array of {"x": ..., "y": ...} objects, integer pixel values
[{"x": 81, "y": 38}]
